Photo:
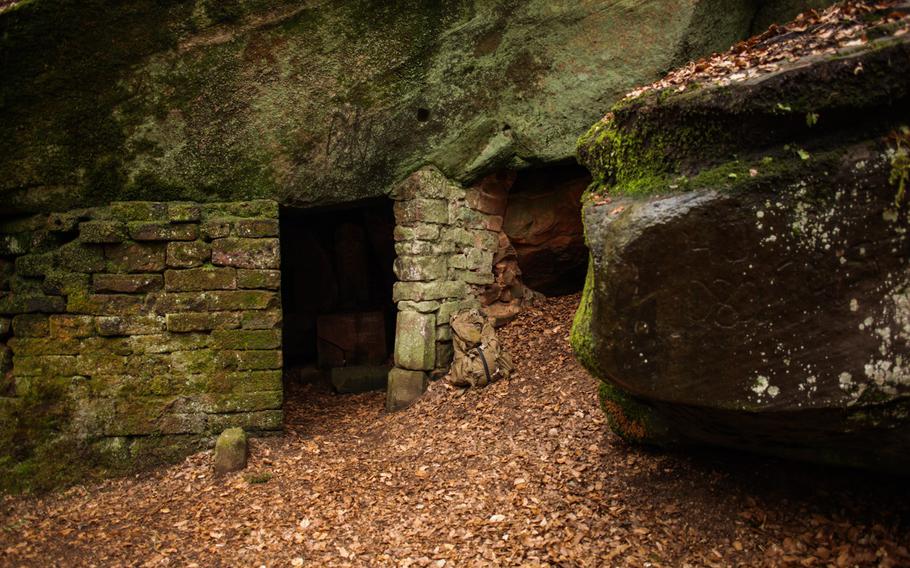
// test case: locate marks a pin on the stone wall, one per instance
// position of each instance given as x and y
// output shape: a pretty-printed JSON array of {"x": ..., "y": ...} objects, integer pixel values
[
  {"x": 131, "y": 333},
  {"x": 452, "y": 254},
  {"x": 445, "y": 245}
]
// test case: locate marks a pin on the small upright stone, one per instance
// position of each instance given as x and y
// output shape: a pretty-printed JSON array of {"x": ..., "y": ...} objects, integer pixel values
[{"x": 230, "y": 451}]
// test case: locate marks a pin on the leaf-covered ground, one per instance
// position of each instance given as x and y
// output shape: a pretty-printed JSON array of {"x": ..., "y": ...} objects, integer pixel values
[{"x": 522, "y": 473}]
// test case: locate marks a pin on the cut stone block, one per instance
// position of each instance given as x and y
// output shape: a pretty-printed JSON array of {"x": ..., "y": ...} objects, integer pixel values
[
  {"x": 188, "y": 254},
  {"x": 415, "y": 341},
  {"x": 256, "y": 228},
  {"x": 261, "y": 279},
  {"x": 30, "y": 325},
  {"x": 422, "y": 211},
  {"x": 362, "y": 378},
  {"x": 135, "y": 257},
  {"x": 142, "y": 231},
  {"x": 404, "y": 388},
  {"x": 127, "y": 283},
  {"x": 231, "y": 451},
  {"x": 246, "y": 253},
  {"x": 202, "y": 321},
  {"x": 102, "y": 232},
  {"x": 198, "y": 279},
  {"x": 420, "y": 268}
]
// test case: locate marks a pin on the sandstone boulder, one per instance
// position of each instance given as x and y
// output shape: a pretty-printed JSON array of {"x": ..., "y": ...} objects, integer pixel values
[{"x": 749, "y": 284}]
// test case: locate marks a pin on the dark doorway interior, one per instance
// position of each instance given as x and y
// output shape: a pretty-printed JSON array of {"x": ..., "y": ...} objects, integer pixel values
[
  {"x": 543, "y": 223},
  {"x": 337, "y": 278}
]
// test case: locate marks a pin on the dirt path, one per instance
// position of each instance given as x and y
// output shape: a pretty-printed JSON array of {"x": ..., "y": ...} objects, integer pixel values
[{"x": 522, "y": 473}]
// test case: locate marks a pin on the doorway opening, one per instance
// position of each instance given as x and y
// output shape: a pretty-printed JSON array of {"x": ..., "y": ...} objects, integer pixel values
[
  {"x": 543, "y": 223},
  {"x": 336, "y": 282}
]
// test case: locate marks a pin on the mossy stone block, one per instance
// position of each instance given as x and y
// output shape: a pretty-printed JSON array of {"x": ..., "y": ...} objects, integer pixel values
[
  {"x": 79, "y": 257},
  {"x": 415, "y": 341},
  {"x": 264, "y": 208},
  {"x": 6, "y": 325},
  {"x": 404, "y": 388},
  {"x": 421, "y": 232},
  {"x": 175, "y": 302},
  {"x": 420, "y": 268},
  {"x": 44, "y": 346},
  {"x": 242, "y": 300},
  {"x": 143, "y": 231},
  {"x": 423, "y": 291},
  {"x": 182, "y": 423},
  {"x": 256, "y": 228},
  {"x": 63, "y": 283},
  {"x": 241, "y": 402},
  {"x": 67, "y": 326},
  {"x": 169, "y": 342},
  {"x": 44, "y": 365},
  {"x": 261, "y": 421},
  {"x": 247, "y": 339},
  {"x": 259, "y": 279},
  {"x": 99, "y": 232},
  {"x": 414, "y": 211},
  {"x": 11, "y": 304},
  {"x": 212, "y": 229},
  {"x": 183, "y": 212},
  {"x": 129, "y": 325},
  {"x": 138, "y": 210},
  {"x": 31, "y": 325},
  {"x": 135, "y": 257},
  {"x": 202, "y": 321},
  {"x": 188, "y": 254},
  {"x": 246, "y": 381},
  {"x": 246, "y": 253},
  {"x": 193, "y": 362},
  {"x": 231, "y": 452},
  {"x": 105, "y": 304},
  {"x": 261, "y": 319},
  {"x": 127, "y": 283},
  {"x": 250, "y": 360},
  {"x": 35, "y": 265},
  {"x": 65, "y": 221},
  {"x": 422, "y": 307},
  {"x": 198, "y": 279}
]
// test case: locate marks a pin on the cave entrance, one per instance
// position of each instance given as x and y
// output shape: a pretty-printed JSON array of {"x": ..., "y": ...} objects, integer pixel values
[
  {"x": 543, "y": 223},
  {"x": 336, "y": 282}
]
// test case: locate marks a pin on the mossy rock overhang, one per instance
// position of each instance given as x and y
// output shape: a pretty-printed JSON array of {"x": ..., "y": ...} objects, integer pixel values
[
  {"x": 749, "y": 284},
  {"x": 664, "y": 140},
  {"x": 318, "y": 103}
]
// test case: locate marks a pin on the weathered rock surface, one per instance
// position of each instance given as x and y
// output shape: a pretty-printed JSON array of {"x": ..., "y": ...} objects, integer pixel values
[
  {"x": 231, "y": 451},
  {"x": 308, "y": 102},
  {"x": 749, "y": 284},
  {"x": 544, "y": 226}
]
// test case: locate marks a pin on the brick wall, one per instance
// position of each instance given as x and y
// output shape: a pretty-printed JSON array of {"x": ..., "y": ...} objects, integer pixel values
[{"x": 132, "y": 333}]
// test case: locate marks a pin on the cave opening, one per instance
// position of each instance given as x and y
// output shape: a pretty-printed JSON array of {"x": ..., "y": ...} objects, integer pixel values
[
  {"x": 543, "y": 223},
  {"x": 336, "y": 282}
]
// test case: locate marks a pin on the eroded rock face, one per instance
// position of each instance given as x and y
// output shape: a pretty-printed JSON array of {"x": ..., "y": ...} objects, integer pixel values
[
  {"x": 317, "y": 103},
  {"x": 764, "y": 303},
  {"x": 543, "y": 224}
]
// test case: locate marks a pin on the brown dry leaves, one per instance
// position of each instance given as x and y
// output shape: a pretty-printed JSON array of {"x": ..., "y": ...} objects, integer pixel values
[
  {"x": 521, "y": 473},
  {"x": 843, "y": 25}
]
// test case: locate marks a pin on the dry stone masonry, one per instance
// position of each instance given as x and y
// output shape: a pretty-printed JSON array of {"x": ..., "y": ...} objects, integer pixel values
[
  {"x": 451, "y": 252},
  {"x": 132, "y": 333}
]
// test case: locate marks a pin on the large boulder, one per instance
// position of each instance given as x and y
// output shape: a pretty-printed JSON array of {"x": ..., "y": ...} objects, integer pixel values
[
  {"x": 310, "y": 103},
  {"x": 749, "y": 284}
]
